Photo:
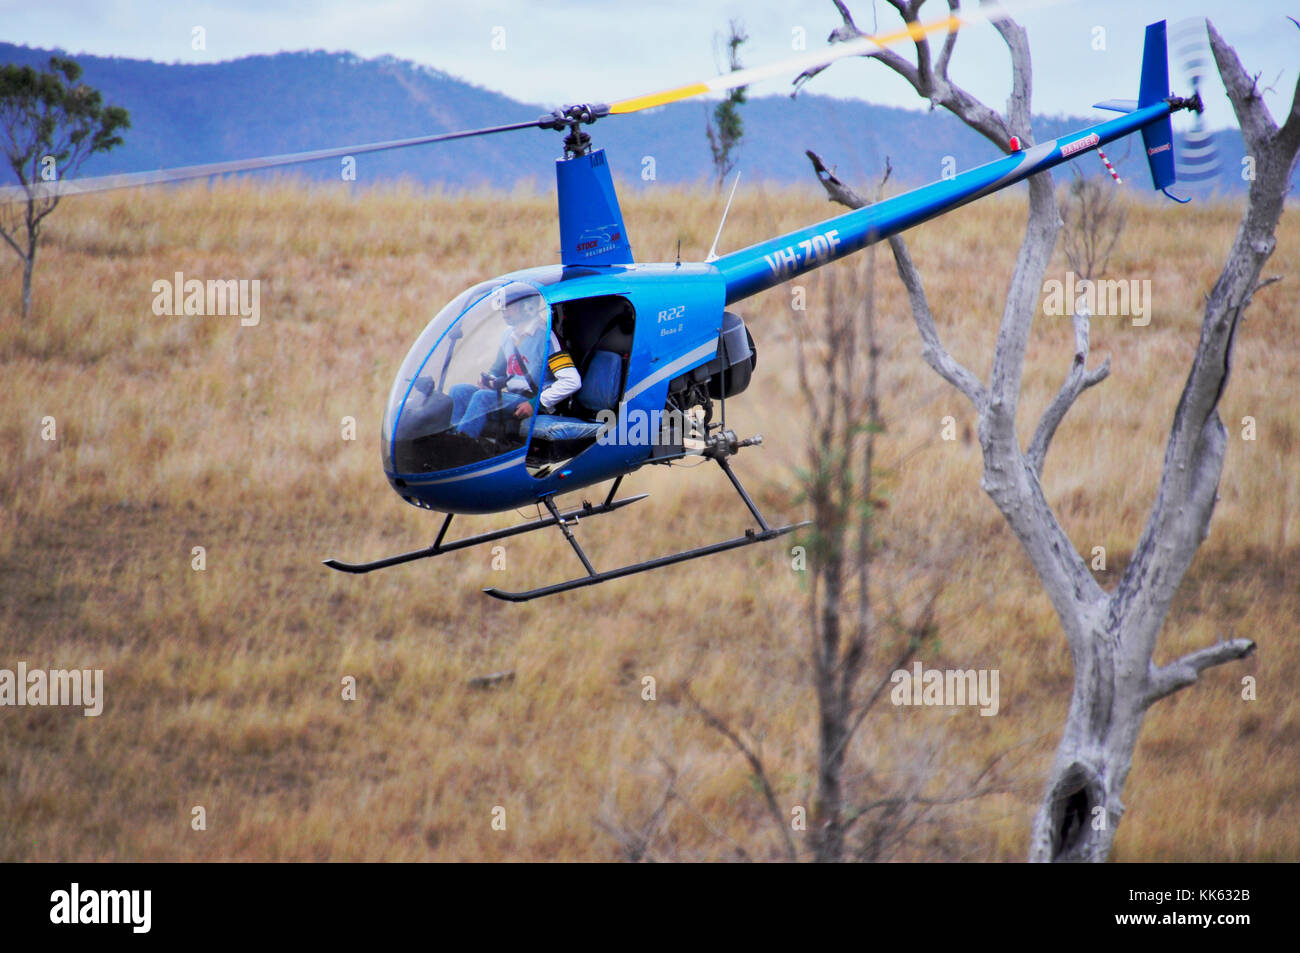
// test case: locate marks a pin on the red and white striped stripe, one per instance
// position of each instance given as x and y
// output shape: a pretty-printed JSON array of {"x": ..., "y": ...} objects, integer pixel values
[{"x": 1110, "y": 168}]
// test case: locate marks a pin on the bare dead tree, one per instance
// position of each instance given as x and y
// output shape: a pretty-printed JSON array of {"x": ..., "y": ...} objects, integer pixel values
[
  {"x": 1092, "y": 222},
  {"x": 839, "y": 387},
  {"x": 855, "y": 816},
  {"x": 837, "y": 359},
  {"x": 1112, "y": 636}
]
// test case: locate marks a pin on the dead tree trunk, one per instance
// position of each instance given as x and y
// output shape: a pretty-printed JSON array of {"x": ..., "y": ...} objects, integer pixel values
[
  {"x": 1111, "y": 636},
  {"x": 832, "y": 385}
]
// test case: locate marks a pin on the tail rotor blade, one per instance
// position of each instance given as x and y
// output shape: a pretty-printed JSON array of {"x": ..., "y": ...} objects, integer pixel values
[{"x": 1198, "y": 150}]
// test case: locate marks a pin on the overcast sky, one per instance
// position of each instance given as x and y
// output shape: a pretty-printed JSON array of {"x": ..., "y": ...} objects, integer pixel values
[{"x": 562, "y": 51}]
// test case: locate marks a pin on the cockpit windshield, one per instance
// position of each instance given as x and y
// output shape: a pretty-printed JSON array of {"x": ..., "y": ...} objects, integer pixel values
[{"x": 457, "y": 397}]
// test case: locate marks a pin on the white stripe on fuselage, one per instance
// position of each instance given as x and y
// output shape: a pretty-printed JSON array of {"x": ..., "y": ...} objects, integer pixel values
[
  {"x": 504, "y": 465},
  {"x": 670, "y": 369}
]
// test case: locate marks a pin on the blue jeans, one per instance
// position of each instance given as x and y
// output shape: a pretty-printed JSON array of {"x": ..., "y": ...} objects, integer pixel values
[
  {"x": 551, "y": 427},
  {"x": 470, "y": 407}
]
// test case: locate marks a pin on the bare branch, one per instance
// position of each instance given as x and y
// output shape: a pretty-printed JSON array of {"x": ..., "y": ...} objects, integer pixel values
[
  {"x": 1170, "y": 678},
  {"x": 1257, "y": 126},
  {"x": 1093, "y": 225},
  {"x": 949, "y": 44},
  {"x": 977, "y": 790},
  {"x": 755, "y": 764},
  {"x": 925, "y": 75},
  {"x": 848, "y": 17},
  {"x": 904, "y": 657},
  {"x": 4, "y": 233},
  {"x": 1018, "y": 111},
  {"x": 849, "y": 31},
  {"x": 1040, "y": 238},
  {"x": 932, "y": 85},
  {"x": 1264, "y": 284},
  {"x": 933, "y": 351},
  {"x": 636, "y": 843},
  {"x": 1076, "y": 382},
  {"x": 836, "y": 191}
]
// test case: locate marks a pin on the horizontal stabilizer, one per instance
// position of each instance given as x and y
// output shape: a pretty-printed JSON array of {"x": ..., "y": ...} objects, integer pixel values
[{"x": 1117, "y": 105}]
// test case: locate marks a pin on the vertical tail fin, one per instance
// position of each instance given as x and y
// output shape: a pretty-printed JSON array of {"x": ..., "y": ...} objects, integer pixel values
[
  {"x": 1158, "y": 137},
  {"x": 591, "y": 222}
]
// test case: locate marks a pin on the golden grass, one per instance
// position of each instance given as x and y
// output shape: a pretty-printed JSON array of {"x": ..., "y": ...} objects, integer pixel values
[{"x": 223, "y": 686}]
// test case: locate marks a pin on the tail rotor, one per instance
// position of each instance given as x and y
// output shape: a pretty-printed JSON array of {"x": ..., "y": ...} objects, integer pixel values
[{"x": 1199, "y": 161}]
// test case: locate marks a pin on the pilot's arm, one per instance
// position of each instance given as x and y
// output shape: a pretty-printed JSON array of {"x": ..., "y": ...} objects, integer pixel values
[
  {"x": 564, "y": 381},
  {"x": 567, "y": 380}
]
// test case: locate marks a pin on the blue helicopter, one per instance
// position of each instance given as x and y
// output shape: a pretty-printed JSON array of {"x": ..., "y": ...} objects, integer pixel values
[
  {"x": 654, "y": 346},
  {"x": 653, "y": 342}
]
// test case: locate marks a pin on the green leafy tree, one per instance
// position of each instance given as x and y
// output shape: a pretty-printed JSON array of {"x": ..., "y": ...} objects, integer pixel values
[
  {"x": 49, "y": 125},
  {"x": 725, "y": 129}
]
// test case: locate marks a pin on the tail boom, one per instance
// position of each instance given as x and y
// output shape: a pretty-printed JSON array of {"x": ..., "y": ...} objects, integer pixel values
[
  {"x": 777, "y": 260},
  {"x": 772, "y": 262}
]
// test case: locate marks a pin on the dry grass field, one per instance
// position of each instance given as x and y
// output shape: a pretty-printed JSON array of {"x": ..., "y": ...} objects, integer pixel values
[{"x": 223, "y": 687}]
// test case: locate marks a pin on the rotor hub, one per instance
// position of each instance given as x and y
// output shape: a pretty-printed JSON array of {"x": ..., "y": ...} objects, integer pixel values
[
  {"x": 1192, "y": 102},
  {"x": 577, "y": 142}
]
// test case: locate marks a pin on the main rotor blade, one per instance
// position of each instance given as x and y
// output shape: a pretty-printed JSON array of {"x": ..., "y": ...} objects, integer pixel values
[
  {"x": 795, "y": 64},
  {"x": 860, "y": 46},
  {"x": 102, "y": 183}
]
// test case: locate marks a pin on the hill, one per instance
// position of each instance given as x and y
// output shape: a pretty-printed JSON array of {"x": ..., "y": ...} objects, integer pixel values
[{"x": 183, "y": 114}]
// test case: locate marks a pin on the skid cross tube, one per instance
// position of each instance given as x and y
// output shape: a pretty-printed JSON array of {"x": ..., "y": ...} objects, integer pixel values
[
  {"x": 438, "y": 548},
  {"x": 593, "y": 578}
]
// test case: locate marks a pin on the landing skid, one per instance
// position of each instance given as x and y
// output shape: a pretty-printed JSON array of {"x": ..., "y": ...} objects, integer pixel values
[
  {"x": 719, "y": 450},
  {"x": 593, "y": 577},
  {"x": 439, "y": 547},
  {"x": 763, "y": 534}
]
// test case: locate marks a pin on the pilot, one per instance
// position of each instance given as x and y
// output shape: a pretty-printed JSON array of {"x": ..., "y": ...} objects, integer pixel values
[{"x": 511, "y": 382}]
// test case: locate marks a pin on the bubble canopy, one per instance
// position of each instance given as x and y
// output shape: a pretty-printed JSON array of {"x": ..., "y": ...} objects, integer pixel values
[{"x": 455, "y": 398}]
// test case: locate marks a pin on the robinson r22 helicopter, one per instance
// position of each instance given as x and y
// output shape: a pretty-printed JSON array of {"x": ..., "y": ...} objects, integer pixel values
[{"x": 651, "y": 341}]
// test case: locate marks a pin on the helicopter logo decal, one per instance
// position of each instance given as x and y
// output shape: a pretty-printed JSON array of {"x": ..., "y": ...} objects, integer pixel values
[{"x": 593, "y": 241}]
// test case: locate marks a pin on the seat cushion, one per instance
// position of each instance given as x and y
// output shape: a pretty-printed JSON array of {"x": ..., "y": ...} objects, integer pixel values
[{"x": 601, "y": 381}]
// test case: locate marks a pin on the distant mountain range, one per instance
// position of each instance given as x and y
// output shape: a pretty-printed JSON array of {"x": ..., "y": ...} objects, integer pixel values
[{"x": 182, "y": 114}]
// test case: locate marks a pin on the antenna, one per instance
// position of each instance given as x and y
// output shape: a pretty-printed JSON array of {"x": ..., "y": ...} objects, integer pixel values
[{"x": 713, "y": 252}]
